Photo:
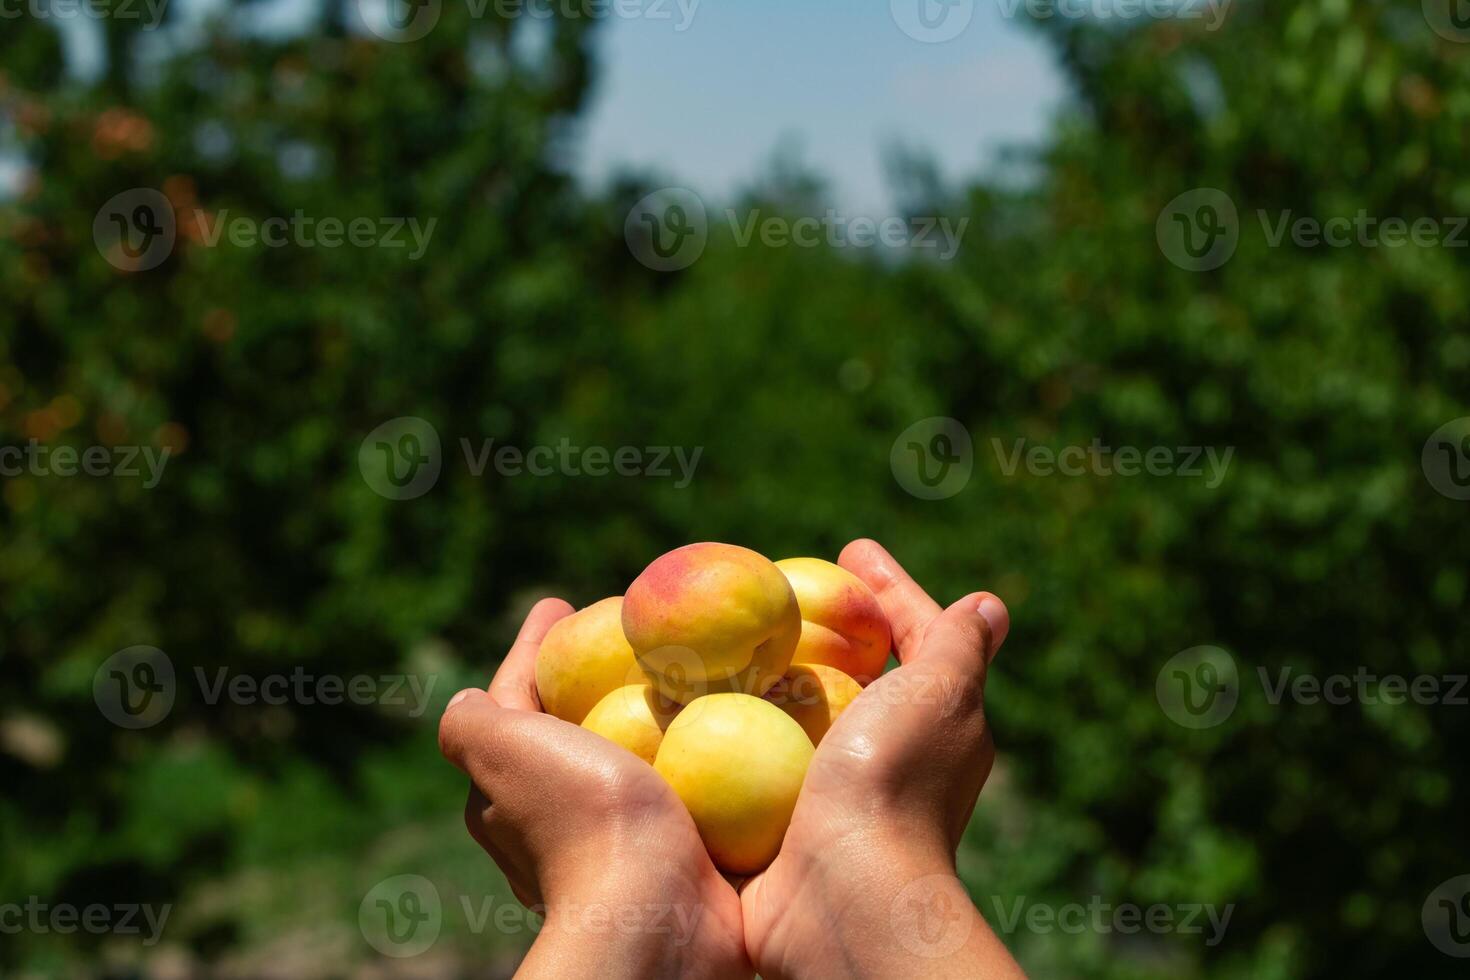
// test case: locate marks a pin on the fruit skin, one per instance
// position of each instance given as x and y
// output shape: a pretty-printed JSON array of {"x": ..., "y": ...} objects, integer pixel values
[
  {"x": 634, "y": 717},
  {"x": 583, "y": 657},
  {"x": 843, "y": 625},
  {"x": 712, "y": 618},
  {"x": 737, "y": 762},
  {"x": 814, "y": 695}
]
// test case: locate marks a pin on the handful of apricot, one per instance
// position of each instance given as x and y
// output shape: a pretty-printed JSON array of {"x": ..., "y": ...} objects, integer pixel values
[{"x": 722, "y": 670}]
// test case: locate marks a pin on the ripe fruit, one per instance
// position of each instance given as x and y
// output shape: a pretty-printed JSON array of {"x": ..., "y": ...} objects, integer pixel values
[
  {"x": 583, "y": 657},
  {"x": 814, "y": 695},
  {"x": 712, "y": 618},
  {"x": 737, "y": 762},
  {"x": 843, "y": 626},
  {"x": 634, "y": 717}
]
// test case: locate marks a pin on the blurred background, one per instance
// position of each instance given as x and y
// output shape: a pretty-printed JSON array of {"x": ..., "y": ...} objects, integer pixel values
[{"x": 258, "y": 521}]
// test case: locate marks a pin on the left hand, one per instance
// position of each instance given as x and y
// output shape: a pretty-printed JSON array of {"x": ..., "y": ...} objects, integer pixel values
[{"x": 590, "y": 832}]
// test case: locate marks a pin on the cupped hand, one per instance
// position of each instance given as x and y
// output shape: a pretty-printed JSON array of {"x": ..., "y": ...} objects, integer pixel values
[
  {"x": 589, "y": 833},
  {"x": 864, "y": 884}
]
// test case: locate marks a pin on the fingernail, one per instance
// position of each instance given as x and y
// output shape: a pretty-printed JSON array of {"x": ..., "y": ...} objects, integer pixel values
[
  {"x": 459, "y": 697},
  {"x": 997, "y": 618}
]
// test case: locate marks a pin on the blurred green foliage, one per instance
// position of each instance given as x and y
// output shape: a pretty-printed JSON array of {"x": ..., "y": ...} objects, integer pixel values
[{"x": 263, "y": 549}]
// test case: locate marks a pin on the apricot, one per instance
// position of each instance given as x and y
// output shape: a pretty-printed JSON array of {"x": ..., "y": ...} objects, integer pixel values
[
  {"x": 634, "y": 717},
  {"x": 814, "y": 695},
  {"x": 583, "y": 658},
  {"x": 737, "y": 762},
  {"x": 843, "y": 626},
  {"x": 712, "y": 618}
]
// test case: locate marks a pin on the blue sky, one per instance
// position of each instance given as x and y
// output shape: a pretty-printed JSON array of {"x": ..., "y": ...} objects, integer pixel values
[{"x": 707, "y": 105}]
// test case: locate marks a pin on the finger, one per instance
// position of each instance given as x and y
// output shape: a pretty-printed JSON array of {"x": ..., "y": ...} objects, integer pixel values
[
  {"x": 908, "y": 607},
  {"x": 513, "y": 756},
  {"x": 514, "y": 684},
  {"x": 467, "y": 724},
  {"x": 959, "y": 640},
  {"x": 998, "y": 617}
]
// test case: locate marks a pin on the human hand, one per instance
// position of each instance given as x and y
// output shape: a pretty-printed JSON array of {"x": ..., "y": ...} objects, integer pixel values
[
  {"x": 590, "y": 833},
  {"x": 864, "y": 884}
]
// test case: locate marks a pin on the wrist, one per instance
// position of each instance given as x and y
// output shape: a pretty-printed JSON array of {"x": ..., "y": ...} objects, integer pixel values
[
  {"x": 631, "y": 918},
  {"x": 884, "y": 906}
]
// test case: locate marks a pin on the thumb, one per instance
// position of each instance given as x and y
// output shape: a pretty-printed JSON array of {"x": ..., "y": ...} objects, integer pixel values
[{"x": 966, "y": 636}]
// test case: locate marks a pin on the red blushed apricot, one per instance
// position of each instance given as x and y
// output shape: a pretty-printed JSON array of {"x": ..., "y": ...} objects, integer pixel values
[
  {"x": 711, "y": 618},
  {"x": 843, "y": 626}
]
